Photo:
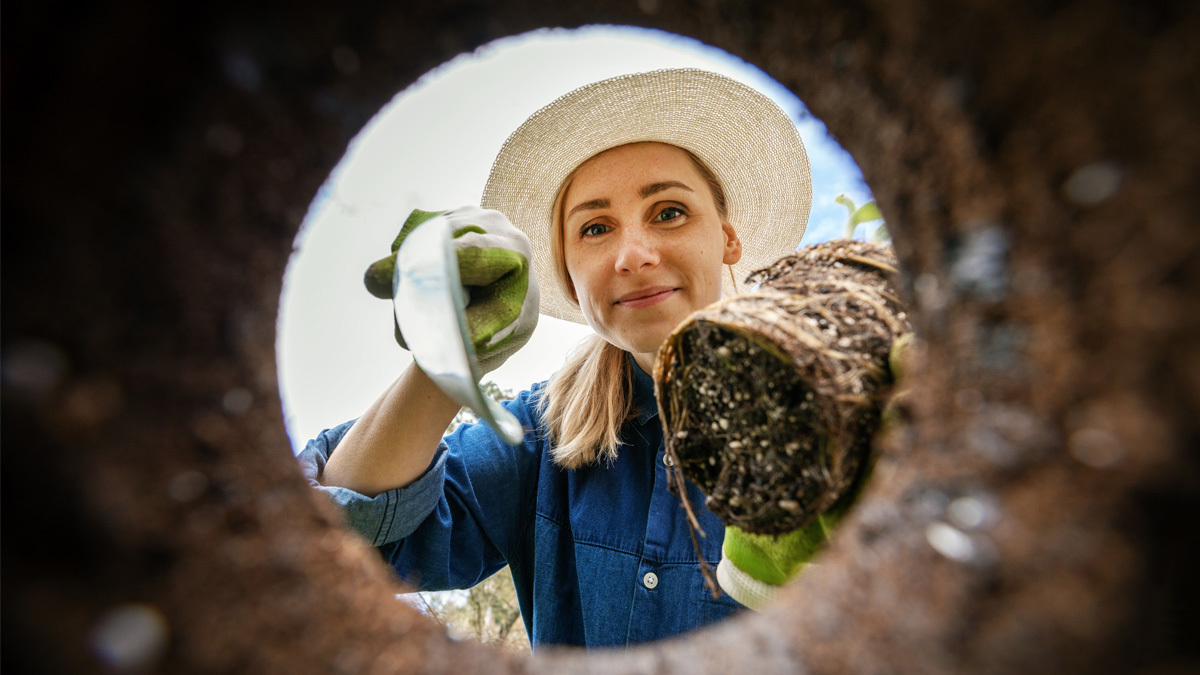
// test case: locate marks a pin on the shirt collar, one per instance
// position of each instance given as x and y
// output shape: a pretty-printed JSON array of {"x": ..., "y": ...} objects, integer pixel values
[{"x": 643, "y": 392}]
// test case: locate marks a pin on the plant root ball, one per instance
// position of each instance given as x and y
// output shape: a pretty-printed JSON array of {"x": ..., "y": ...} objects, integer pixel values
[{"x": 770, "y": 399}]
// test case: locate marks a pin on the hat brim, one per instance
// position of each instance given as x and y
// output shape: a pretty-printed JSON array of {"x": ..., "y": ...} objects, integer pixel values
[{"x": 748, "y": 142}]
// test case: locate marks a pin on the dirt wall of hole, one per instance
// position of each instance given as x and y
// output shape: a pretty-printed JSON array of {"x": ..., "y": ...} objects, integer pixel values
[{"x": 1037, "y": 163}]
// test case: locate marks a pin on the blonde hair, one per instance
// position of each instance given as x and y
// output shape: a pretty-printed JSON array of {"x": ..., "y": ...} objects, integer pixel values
[{"x": 588, "y": 400}]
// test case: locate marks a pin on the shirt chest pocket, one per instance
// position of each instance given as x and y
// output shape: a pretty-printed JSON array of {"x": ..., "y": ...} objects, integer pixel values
[{"x": 608, "y": 507}]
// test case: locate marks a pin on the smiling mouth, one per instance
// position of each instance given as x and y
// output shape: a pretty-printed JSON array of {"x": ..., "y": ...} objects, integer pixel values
[{"x": 645, "y": 297}]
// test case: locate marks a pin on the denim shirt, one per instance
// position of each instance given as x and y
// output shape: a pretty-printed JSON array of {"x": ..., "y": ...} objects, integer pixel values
[{"x": 600, "y": 556}]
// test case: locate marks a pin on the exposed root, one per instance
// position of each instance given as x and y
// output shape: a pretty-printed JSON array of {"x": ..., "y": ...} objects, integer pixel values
[{"x": 769, "y": 400}]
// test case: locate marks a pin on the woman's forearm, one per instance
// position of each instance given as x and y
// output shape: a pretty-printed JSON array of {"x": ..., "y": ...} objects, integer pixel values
[{"x": 392, "y": 444}]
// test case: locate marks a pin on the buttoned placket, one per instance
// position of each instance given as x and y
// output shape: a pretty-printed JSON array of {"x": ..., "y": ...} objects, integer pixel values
[{"x": 660, "y": 525}]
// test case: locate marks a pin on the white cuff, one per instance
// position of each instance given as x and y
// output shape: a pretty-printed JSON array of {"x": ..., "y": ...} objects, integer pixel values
[{"x": 742, "y": 587}]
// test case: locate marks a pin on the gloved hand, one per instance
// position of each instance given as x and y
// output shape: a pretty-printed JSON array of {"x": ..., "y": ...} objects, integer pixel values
[
  {"x": 754, "y": 567},
  {"x": 495, "y": 270}
]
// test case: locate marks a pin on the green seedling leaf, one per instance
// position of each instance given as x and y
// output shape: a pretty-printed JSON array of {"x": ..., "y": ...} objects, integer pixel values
[
  {"x": 858, "y": 214},
  {"x": 866, "y": 213}
]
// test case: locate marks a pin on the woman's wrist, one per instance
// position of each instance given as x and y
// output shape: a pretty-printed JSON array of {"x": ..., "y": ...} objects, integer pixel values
[{"x": 392, "y": 444}]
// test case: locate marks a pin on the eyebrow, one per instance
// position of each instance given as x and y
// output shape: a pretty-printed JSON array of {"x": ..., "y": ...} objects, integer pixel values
[
  {"x": 589, "y": 206},
  {"x": 655, "y": 188},
  {"x": 645, "y": 191}
]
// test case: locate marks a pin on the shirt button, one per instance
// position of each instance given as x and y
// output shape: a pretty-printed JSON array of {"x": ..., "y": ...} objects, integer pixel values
[
  {"x": 667, "y": 460},
  {"x": 650, "y": 580}
]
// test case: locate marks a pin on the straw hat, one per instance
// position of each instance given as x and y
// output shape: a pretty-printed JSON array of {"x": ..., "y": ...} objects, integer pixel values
[{"x": 750, "y": 144}]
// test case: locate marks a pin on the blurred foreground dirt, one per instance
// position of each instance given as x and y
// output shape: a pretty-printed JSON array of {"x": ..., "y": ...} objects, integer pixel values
[{"x": 1037, "y": 163}]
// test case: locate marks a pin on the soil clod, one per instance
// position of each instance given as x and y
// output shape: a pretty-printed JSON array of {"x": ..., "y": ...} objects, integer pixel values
[{"x": 770, "y": 399}]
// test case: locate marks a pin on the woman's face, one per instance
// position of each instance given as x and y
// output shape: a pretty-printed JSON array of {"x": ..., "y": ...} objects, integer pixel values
[{"x": 644, "y": 243}]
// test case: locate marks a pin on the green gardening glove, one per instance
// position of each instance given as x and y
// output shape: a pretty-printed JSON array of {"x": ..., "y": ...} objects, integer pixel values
[
  {"x": 494, "y": 268},
  {"x": 754, "y": 567}
]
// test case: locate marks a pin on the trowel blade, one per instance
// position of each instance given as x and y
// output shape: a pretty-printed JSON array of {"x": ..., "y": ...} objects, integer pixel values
[{"x": 430, "y": 306}]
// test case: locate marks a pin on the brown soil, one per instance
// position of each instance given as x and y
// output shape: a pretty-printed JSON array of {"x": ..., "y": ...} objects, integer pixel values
[
  {"x": 769, "y": 400},
  {"x": 1038, "y": 164}
]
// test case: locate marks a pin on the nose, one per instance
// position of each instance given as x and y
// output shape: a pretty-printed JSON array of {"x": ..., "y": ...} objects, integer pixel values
[{"x": 637, "y": 250}]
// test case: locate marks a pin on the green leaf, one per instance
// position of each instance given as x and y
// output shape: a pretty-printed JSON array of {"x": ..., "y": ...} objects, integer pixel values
[
  {"x": 881, "y": 233},
  {"x": 866, "y": 213}
]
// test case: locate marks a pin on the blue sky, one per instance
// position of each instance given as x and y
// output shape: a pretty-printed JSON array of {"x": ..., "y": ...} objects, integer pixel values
[{"x": 431, "y": 147}]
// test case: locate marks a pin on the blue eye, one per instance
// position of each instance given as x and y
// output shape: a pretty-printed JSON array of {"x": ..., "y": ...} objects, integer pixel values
[
  {"x": 594, "y": 230},
  {"x": 669, "y": 213}
]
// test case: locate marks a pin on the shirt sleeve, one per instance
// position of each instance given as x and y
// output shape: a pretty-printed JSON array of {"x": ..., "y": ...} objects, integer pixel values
[
  {"x": 464, "y": 517},
  {"x": 388, "y": 516}
]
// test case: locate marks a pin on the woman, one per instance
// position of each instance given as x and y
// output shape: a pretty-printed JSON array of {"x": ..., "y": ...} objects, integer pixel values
[{"x": 638, "y": 195}]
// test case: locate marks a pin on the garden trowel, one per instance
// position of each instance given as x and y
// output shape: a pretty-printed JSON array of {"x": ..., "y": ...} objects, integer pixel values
[{"x": 430, "y": 306}]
